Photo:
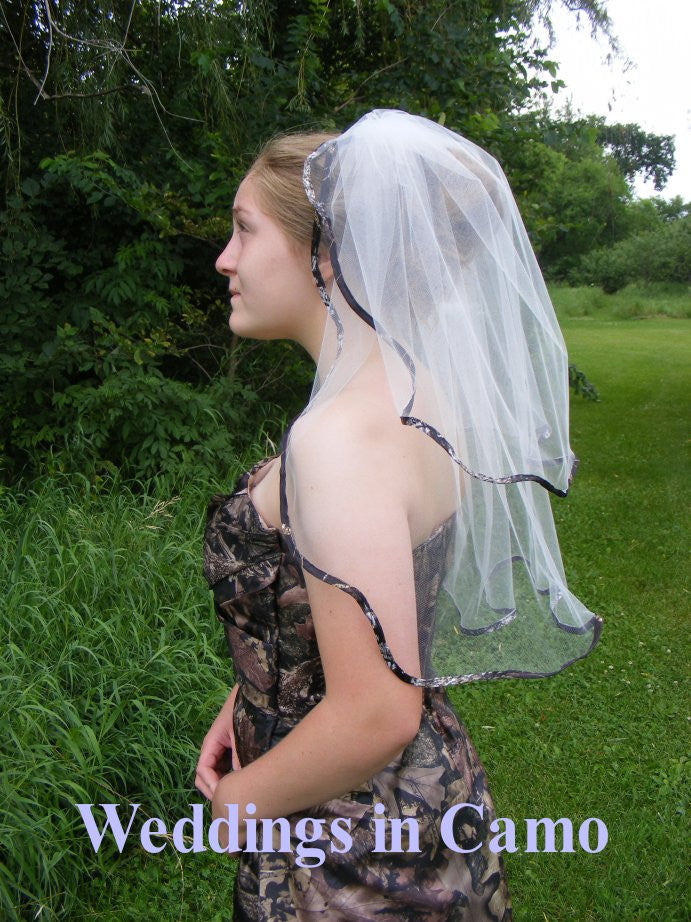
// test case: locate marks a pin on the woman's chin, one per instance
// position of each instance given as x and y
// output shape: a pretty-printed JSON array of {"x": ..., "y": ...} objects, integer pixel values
[
  {"x": 240, "y": 328},
  {"x": 235, "y": 323},
  {"x": 239, "y": 325}
]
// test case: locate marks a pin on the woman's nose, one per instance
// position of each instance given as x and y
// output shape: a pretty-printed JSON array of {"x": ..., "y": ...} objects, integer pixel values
[{"x": 225, "y": 264}]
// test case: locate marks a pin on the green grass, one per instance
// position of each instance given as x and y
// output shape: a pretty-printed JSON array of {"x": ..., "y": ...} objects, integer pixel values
[
  {"x": 637, "y": 301},
  {"x": 114, "y": 666},
  {"x": 608, "y": 737},
  {"x": 113, "y": 669}
]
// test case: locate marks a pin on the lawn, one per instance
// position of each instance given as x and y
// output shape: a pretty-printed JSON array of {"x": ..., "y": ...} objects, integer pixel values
[
  {"x": 114, "y": 666},
  {"x": 608, "y": 738}
]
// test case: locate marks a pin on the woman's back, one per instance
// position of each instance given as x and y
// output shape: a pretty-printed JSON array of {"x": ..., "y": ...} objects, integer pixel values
[{"x": 402, "y": 457}]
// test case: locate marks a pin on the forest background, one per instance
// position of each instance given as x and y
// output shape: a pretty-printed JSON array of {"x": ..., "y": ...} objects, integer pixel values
[{"x": 125, "y": 128}]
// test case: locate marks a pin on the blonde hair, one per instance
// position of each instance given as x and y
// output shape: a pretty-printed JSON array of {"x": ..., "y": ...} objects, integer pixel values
[{"x": 277, "y": 177}]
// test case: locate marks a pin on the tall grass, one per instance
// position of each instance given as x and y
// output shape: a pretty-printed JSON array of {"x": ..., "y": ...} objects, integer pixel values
[
  {"x": 114, "y": 667},
  {"x": 637, "y": 301},
  {"x": 112, "y": 671}
]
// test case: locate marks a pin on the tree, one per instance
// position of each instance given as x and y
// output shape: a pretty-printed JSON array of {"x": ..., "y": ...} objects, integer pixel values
[
  {"x": 122, "y": 77},
  {"x": 127, "y": 126},
  {"x": 639, "y": 152}
]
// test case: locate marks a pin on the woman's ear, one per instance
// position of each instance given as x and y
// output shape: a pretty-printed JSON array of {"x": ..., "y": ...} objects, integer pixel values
[{"x": 325, "y": 266}]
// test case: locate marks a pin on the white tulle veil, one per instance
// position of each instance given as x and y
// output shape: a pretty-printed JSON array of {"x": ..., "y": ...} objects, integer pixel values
[{"x": 433, "y": 268}]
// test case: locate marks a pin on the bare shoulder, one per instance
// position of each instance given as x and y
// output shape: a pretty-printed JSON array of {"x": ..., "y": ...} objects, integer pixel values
[
  {"x": 351, "y": 440},
  {"x": 362, "y": 449}
]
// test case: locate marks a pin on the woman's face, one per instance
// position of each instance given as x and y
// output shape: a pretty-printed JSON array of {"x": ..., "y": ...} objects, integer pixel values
[{"x": 273, "y": 294}]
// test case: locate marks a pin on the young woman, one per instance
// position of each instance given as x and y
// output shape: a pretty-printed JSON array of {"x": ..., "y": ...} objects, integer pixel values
[{"x": 401, "y": 541}]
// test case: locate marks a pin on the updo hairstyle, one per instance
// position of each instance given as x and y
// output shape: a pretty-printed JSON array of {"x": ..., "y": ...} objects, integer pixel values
[{"x": 277, "y": 177}]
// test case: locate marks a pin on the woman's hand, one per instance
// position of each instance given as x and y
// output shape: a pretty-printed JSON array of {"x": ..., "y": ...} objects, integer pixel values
[{"x": 218, "y": 745}]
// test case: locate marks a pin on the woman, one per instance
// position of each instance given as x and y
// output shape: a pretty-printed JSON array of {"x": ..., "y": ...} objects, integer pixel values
[{"x": 423, "y": 306}]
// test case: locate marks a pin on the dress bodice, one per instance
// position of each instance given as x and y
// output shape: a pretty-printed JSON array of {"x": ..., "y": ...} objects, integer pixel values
[{"x": 261, "y": 599}]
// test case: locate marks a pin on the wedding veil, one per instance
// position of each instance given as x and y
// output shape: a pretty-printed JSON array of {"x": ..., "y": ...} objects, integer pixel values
[{"x": 435, "y": 278}]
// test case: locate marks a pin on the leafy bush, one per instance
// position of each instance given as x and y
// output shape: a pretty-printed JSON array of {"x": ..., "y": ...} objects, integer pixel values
[
  {"x": 662, "y": 255},
  {"x": 579, "y": 383},
  {"x": 114, "y": 345}
]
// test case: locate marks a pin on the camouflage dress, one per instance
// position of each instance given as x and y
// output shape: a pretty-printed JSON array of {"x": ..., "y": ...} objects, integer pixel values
[{"x": 261, "y": 600}]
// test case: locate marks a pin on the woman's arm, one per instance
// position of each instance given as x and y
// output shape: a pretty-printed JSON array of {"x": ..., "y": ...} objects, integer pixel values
[{"x": 367, "y": 715}]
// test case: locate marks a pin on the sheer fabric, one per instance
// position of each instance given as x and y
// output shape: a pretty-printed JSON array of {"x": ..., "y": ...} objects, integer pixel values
[{"x": 438, "y": 320}]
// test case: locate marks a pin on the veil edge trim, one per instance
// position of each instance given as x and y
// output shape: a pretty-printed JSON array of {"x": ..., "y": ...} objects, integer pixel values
[{"x": 594, "y": 623}]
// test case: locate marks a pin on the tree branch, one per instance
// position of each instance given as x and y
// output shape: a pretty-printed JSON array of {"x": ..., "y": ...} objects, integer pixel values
[
  {"x": 48, "y": 55},
  {"x": 116, "y": 89},
  {"x": 375, "y": 73}
]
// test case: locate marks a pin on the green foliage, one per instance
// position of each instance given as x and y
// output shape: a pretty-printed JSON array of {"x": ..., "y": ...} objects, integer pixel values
[
  {"x": 635, "y": 151},
  {"x": 79, "y": 320},
  {"x": 660, "y": 255},
  {"x": 653, "y": 214},
  {"x": 127, "y": 128},
  {"x": 637, "y": 301},
  {"x": 639, "y": 152},
  {"x": 573, "y": 191},
  {"x": 571, "y": 206},
  {"x": 671, "y": 209},
  {"x": 580, "y": 384},
  {"x": 589, "y": 203},
  {"x": 149, "y": 424}
]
